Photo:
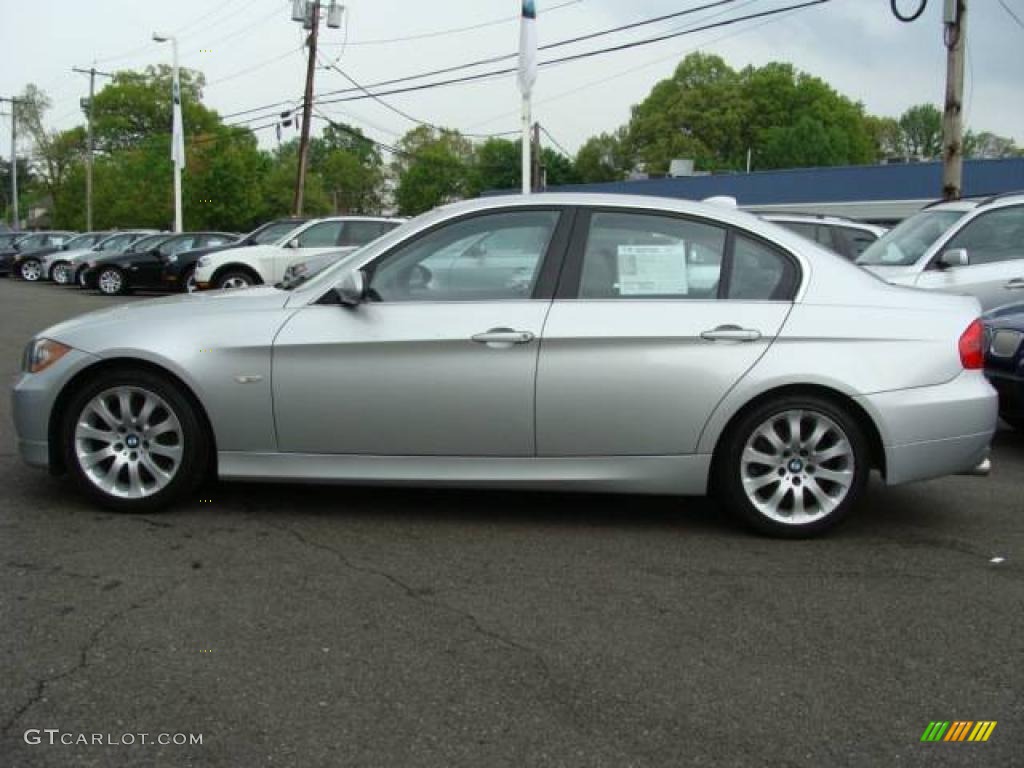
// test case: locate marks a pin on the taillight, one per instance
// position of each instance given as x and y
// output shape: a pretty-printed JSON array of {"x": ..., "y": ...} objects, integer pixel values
[{"x": 972, "y": 346}]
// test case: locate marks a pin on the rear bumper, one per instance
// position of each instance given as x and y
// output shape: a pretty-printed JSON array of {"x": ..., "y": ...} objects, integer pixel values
[{"x": 935, "y": 431}]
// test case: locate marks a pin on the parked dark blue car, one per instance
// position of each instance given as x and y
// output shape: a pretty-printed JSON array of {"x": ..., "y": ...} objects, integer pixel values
[{"x": 1004, "y": 360}]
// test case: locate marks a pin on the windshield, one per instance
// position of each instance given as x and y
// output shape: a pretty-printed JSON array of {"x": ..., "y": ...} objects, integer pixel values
[
  {"x": 116, "y": 242},
  {"x": 313, "y": 268},
  {"x": 81, "y": 241},
  {"x": 147, "y": 242},
  {"x": 904, "y": 245},
  {"x": 271, "y": 233}
]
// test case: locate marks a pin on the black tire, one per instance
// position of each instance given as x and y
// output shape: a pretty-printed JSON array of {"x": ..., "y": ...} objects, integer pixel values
[
  {"x": 729, "y": 468},
  {"x": 79, "y": 278},
  {"x": 55, "y": 268},
  {"x": 30, "y": 270},
  {"x": 225, "y": 280},
  {"x": 112, "y": 281},
  {"x": 188, "y": 281},
  {"x": 195, "y": 446}
]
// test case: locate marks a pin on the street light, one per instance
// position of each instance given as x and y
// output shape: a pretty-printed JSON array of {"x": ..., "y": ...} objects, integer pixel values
[{"x": 178, "y": 130}]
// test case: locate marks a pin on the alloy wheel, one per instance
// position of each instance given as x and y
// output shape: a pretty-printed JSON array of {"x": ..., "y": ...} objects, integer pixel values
[
  {"x": 110, "y": 281},
  {"x": 60, "y": 274},
  {"x": 235, "y": 281},
  {"x": 128, "y": 442},
  {"x": 797, "y": 467},
  {"x": 31, "y": 270}
]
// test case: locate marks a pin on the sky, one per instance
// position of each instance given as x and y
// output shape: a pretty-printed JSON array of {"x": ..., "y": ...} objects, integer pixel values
[{"x": 251, "y": 54}]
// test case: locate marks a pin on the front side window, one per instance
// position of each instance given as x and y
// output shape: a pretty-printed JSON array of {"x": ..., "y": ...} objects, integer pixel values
[
  {"x": 272, "y": 233},
  {"x": 177, "y": 245},
  {"x": 322, "y": 235},
  {"x": 484, "y": 258},
  {"x": 648, "y": 256},
  {"x": 992, "y": 237}
]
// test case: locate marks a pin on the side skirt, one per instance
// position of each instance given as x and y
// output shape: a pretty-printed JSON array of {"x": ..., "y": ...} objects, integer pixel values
[{"x": 681, "y": 475}]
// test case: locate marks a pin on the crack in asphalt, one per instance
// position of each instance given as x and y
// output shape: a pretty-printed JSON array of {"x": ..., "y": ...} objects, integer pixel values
[
  {"x": 416, "y": 594},
  {"x": 83, "y": 656}
]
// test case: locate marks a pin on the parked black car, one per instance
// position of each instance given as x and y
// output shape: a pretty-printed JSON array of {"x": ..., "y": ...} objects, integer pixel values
[
  {"x": 179, "y": 268},
  {"x": 1004, "y": 360},
  {"x": 141, "y": 267},
  {"x": 28, "y": 265},
  {"x": 29, "y": 241},
  {"x": 80, "y": 268}
]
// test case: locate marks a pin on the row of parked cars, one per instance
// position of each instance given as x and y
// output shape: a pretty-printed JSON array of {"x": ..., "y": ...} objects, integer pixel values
[{"x": 118, "y": 262}]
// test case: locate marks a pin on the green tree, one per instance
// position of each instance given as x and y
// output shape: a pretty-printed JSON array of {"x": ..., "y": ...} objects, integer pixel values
[
  {"x": 498, "y": 165},
  {"x": 988, "y": 146},
  {"x": 351, "y": 168},
  {"x": 432, "y": 167},
  {"x": 603, "y": 158},
  {"x": 558, "y": 169},
  {"x": 922, "y": 131}
]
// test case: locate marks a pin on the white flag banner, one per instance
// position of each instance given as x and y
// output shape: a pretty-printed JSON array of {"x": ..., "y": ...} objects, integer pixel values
[
  {"x": 178, "y": 129},
  {"x": 528, "y": 48}
]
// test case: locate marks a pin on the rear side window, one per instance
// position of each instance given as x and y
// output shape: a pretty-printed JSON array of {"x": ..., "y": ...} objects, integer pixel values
[
  {"x": 760, "y": 272},
  {"x": 648, "y": 256},
  {"x": 362, "y": 232},
  {"x": 323, "y": 235}
]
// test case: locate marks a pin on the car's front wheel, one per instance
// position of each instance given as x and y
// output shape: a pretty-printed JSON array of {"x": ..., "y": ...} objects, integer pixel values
[
  {"x": 190, "y": 282},
  {"x": 133, "y": 442},
  {"x": 793, "y": 467},
  {"x": 31, "y": 270},
  {"x": 111, "y": 281},
  {"x": 61, "y": 273},
  {"x": 234, "y": 279}
]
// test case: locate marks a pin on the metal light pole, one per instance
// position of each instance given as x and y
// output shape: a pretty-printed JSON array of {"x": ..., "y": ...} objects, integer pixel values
[{"x": 177, "y": 140}]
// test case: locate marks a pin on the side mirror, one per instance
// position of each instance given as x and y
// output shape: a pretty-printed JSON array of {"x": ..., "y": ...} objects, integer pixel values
[
  {"x": 293, "y": 243},
  {"x": 955, "y": 258},
  {"x": 351, "y": 290}
]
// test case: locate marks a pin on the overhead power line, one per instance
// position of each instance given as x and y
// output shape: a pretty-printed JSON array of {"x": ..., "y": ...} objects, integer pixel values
[{"x": 1013, "y": 15}]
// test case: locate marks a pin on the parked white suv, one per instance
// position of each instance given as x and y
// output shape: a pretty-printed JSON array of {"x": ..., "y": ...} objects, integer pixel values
[
  {"x": 242, "y": 267},
  {"x": 971, "y": 247}
]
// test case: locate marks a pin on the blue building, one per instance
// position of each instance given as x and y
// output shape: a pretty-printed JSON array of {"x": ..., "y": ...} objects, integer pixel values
[{"x": 880, "y": 193}]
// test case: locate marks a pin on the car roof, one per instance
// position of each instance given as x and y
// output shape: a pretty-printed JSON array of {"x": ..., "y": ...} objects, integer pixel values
[{"x": 813, "y": 218}]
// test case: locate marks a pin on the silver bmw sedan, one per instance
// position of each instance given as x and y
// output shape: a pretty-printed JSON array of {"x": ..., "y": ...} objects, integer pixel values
[{"x": 571, "y": 342}]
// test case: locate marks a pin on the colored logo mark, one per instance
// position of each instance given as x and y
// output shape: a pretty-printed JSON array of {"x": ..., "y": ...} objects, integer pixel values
[{"x": 958, "y": 730}]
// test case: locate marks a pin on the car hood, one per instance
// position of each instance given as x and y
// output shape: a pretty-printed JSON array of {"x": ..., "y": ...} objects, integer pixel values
[
  {"x": 84, "y": 331},
  {"x": 255, "y": 251},
  {"x": 887, "y": 272}
]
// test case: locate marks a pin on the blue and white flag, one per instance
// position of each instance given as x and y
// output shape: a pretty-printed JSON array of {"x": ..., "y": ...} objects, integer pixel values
[
  {"x": 528, "y": 48},
  {"x": 178, "y": 129}
]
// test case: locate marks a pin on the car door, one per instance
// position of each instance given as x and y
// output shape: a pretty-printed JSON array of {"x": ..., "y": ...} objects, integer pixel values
[
  {"x": 994, "y": 242},
  {"x": 435, "y": 362},
  {"x": 150, "y": 268},
  {"x": 656, "y": 317}
]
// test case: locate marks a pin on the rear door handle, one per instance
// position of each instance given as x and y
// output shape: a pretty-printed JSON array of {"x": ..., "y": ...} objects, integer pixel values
[
  {"x": 731, "y": 333},
  {"x": 503, "y": 336},
  {"x": 1016, "y": 284}
]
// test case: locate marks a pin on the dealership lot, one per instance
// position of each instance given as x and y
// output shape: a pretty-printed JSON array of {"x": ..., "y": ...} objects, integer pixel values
[{"x": 330, "y": 625}]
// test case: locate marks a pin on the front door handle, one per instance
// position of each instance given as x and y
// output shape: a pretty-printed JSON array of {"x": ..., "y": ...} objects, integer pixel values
[
  {"x": 503, "y": 337},
  {"x": 731, "y": 333},
  {"x": 1017, "y": 284}
]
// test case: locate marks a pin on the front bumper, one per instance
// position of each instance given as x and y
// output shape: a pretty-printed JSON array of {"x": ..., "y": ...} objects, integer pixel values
[
  {"x": 32, "y": 401},
  {"x": 935, "y": 431}
]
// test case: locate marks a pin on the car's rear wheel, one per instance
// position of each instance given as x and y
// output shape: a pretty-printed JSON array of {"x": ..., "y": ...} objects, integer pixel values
[
  {"x": 111, "y": 281},
  {"x": 31, "y": 270},
  {"x": 234, "y": 279},
  {"x": 60, "y": 273},
  {"x": 793, "y": 467},
  {"x": 133, "y": 442}
]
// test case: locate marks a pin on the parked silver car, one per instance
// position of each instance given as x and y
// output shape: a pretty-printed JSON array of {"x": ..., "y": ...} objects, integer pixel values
[
  {"x": 973, "y": 247},
  {"x": 602, "y": 343}
]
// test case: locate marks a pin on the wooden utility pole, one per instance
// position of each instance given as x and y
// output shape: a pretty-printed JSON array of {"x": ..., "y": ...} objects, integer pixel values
[
  {"x": 955, "y": 37},
  {"x": 307, "y": 110},
  {"x": 91, "y": 72}
]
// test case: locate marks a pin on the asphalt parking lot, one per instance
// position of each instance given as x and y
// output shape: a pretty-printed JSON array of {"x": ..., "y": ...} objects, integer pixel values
[{"x": 305, "y": 626}]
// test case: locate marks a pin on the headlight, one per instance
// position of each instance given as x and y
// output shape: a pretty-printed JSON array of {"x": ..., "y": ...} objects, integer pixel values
[
  {"x": 204, "y": 261},
  {"x": 40, "y": 354}
]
